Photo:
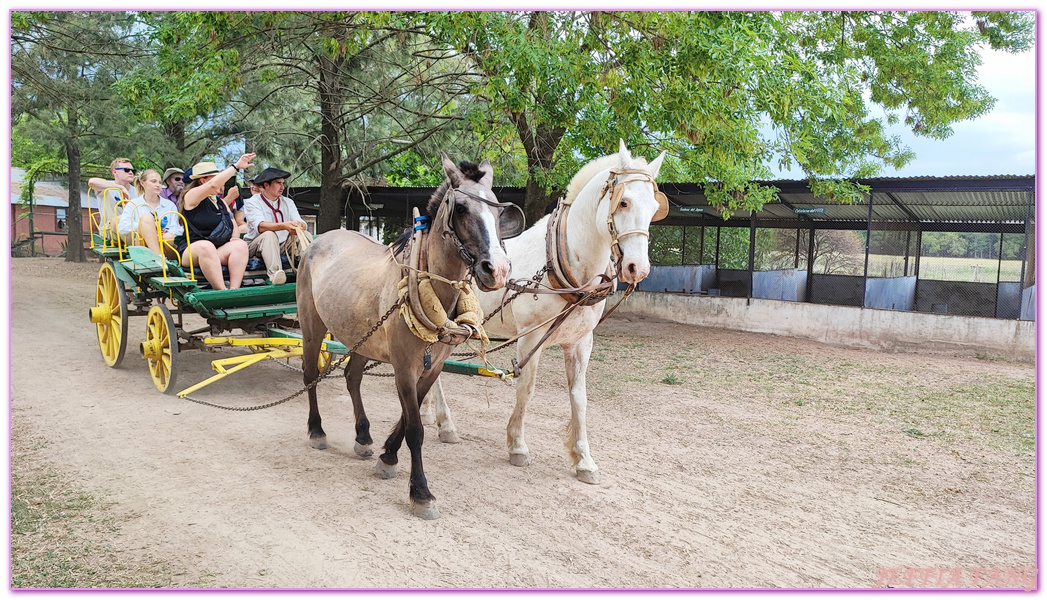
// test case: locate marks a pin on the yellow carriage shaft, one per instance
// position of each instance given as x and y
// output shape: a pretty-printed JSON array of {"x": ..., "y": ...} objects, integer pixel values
[
  {"x": 277, "y": 348},
  {"x": 268, "y": 348}
]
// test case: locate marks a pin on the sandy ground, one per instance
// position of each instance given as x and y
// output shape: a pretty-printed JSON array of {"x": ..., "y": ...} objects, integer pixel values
[{"x": 704, "y": 485}]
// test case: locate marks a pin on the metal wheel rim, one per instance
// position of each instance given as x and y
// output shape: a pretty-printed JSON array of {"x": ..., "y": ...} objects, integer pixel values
[{"x": 112, "y": 338}]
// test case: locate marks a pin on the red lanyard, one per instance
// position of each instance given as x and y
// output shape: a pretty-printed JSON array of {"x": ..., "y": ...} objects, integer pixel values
[{"x": 275, "y": 210}]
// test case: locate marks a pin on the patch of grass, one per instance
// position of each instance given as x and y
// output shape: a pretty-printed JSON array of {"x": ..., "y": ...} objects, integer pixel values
[
  {"x": 999, "y": 411},
  {"x": 59, "y": 533},
  {"x": 671, "y": 379}
]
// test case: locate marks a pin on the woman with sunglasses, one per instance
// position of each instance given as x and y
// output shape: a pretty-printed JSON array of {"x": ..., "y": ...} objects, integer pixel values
[{"x": 211, "y": 233}]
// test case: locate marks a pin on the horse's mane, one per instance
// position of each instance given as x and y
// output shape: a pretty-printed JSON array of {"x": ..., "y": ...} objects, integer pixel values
[
  {"x": 469, "y": 170},
  {"x": 587, "y": 172}
]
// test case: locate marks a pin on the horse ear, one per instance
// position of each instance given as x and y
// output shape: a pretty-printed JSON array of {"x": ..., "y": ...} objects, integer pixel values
[
  {"x": 451, "y": 170},
  {"x": 624, "y": 155},
  {"x": 655, "y": 166},
  {"x": 488, "y": 179}
]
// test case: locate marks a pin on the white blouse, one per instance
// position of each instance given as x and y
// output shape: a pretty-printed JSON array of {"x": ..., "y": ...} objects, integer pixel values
[{"x": 167, "y": 211}]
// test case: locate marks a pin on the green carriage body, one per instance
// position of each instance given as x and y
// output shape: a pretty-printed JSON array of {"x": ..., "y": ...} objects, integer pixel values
[{"x": 135, "y": 281}]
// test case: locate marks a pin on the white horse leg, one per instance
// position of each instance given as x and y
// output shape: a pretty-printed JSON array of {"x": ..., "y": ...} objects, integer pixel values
[
  {"x": 576, "y": 357},
  {"x": 518, "y": 453},
  {"x": 445, "y": 426},
  {"x": 425, "y": 411}
]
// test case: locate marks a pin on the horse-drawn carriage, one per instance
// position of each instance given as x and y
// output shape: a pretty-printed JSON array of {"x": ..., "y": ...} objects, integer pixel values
[
  {"x": 136, "y": 282},
  {"x": 349, "y": 286}
]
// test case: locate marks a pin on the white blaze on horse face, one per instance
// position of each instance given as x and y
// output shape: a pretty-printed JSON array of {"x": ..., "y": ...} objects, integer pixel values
[
  {"x": 499, "y": 260},
  {"x": 636, "y": 264}
]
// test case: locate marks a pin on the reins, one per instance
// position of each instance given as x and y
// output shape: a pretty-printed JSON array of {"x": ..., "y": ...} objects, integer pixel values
[
  {"x": 562, "y": 280},
  {"x": 422, "y": 303}
]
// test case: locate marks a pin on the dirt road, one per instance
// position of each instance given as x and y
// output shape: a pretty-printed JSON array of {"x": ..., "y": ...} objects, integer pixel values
[{"x": 727, "y": 460}]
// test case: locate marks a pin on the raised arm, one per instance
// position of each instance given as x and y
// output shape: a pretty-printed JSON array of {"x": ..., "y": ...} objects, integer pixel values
[
  {"x": 216, "y": 184},
  {"x": 99, "y": 184}
]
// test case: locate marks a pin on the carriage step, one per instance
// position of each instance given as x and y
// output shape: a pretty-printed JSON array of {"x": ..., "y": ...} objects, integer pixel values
[
  {"x": 143, "y": 261},
  {"x": 171, "y": 282},
  {"x": 253, "y": 312}
]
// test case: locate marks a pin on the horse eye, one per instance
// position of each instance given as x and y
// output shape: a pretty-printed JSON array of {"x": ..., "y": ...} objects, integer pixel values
[
  {"x": 460, "y": 208},
  {"x": 624, "y": 204}
]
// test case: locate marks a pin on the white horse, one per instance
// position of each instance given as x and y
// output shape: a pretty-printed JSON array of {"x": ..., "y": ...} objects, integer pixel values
[{"x": 627, "y": 182}]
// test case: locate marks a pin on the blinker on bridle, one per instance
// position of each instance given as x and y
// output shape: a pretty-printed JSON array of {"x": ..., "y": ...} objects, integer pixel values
[
  {"x": 616, "y": 189},
  {"x": 502, "y": 235}
]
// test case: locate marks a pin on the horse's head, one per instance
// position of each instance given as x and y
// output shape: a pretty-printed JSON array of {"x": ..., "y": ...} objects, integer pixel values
[
  {"x": 634, "y": 202},
  {"x": 472, "y": 216}
]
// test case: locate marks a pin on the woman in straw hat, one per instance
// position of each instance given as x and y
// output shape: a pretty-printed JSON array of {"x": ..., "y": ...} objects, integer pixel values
[{"x": 207, "y": 217}]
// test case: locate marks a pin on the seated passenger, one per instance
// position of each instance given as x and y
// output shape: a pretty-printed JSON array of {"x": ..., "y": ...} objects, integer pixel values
[
  {"x": 142, "y": 212},
  {"x": 173, "y": 184},
  {"x": 112, "y": 191},
  {"x": 210, "y": 232},
  {"x": 271, "y": 217}
]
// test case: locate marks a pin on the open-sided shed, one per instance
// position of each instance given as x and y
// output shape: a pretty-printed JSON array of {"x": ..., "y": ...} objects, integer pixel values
[
  {"x": 897, "y": 248},
  {"x": 956, "y": 245}
]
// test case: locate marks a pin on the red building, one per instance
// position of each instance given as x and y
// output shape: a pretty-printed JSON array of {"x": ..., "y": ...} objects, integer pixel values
[{"x": 48, "y": 218}]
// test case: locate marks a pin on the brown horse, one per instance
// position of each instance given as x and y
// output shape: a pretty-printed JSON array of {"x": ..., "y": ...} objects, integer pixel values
[{"x": 347, "y": 281}]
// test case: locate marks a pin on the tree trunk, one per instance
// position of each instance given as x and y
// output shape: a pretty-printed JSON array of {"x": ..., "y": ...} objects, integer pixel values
[
  {"x": 176, "y": 133},
  {"x": 73, "y": 217},
  {"x": 332, "y": 197},
  {"x": 540, "y": 145}
]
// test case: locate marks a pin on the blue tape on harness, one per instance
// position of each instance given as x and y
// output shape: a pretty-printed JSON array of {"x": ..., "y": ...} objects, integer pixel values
[{"x": 421, "y": 223}]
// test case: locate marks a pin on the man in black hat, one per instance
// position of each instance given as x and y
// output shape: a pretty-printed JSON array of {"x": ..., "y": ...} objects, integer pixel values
[{"x": 271, "y": 219}]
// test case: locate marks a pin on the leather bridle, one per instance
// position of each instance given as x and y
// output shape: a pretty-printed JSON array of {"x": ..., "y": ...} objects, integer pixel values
[
  {"x": 616, "y": 188},
  {"x": 449, "y": 230}
]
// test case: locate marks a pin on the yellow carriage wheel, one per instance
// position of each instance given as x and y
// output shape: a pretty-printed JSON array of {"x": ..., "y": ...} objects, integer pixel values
[
  {"x": 109, "y": 314},
  {"x": 324, "y": 358},
  {"x": 160, "y": 348}
]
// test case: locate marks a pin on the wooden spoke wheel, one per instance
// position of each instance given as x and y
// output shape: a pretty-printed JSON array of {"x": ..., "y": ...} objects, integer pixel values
[
  {"x": 324, "y": 358},
  {"x": 160, "y": 348},
  {"x": 109, "y": 314}
]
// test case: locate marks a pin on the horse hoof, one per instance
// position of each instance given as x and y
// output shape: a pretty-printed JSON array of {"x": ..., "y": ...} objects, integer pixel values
[
  {"x": 519, "y": 460},
  {"x": 428, "y": 419},
  {"x": 383, "y": 470},
  {"x": 320, "y": 443},
  {"x": 363, "y": 450},
  {"x": 589, "y": 476},
  {"x": 425, "y": 510},
  {"x": 449, "y": 437}
]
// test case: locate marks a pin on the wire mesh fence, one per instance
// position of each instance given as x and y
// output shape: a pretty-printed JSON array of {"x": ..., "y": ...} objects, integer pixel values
[{"x": 982, "y": 273}]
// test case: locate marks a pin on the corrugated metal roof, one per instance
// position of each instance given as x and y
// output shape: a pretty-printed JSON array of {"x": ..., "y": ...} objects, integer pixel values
[
  {"x": 914, "y": 200},
  {"x": 47, "y": 192}
]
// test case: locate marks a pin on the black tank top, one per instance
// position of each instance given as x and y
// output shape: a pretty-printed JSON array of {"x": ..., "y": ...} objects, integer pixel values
[{"x": 205, "y": 217}]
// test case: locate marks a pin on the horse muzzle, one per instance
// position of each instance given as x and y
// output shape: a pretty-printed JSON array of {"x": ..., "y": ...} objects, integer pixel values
[
  {"x": 634, "y": 271},
  {"x": 491, "y": 273}
]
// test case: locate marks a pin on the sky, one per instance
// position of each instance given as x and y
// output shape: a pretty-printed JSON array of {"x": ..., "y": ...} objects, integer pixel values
[{"x": 1001, "y": 142}]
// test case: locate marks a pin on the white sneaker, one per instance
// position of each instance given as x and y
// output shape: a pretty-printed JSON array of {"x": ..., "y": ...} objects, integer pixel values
[{"x": 278, "y": 278}]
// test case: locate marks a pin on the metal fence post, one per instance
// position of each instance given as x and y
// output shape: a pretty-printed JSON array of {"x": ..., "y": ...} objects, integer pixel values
[
  {"x": 868, "y": 244},
  {"x": 752, "y": 250},
  {"x": 810, "y": 263}
]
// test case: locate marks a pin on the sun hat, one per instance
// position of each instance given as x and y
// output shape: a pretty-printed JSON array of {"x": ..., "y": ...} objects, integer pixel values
[
  {"x": 172, "y": 171},
  {"x": 269, "y": 174},
  {"x": 203, "y": 169}
]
